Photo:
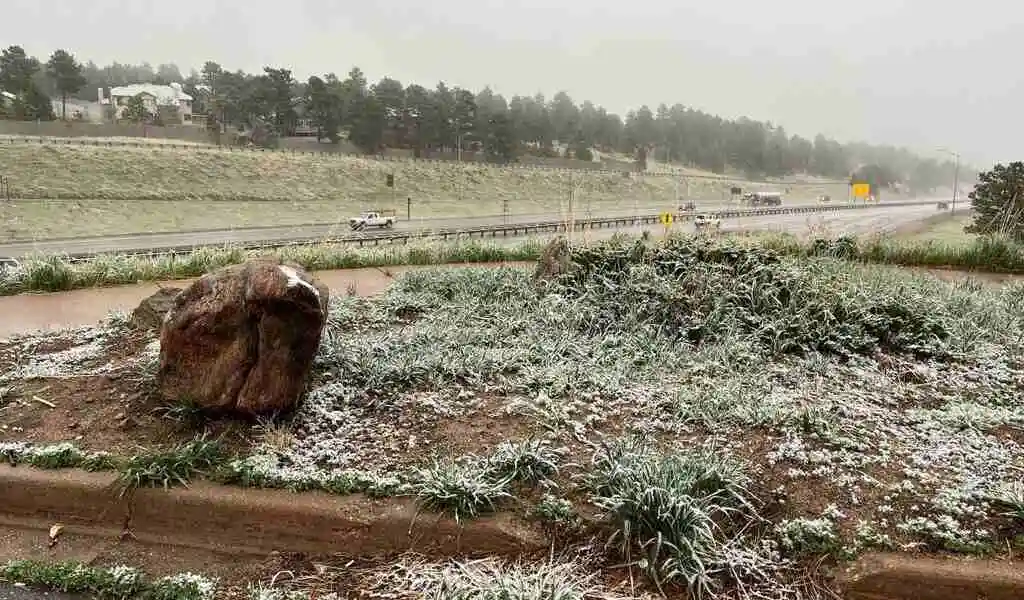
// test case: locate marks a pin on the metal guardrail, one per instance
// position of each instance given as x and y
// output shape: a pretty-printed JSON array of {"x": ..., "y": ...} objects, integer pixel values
[{"x": 404, "y": 237}]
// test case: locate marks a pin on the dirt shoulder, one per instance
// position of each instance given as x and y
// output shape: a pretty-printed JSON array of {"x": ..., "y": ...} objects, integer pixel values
[
  {"x": 253, "y": 522},
  {"x": 899, "y": 577}
]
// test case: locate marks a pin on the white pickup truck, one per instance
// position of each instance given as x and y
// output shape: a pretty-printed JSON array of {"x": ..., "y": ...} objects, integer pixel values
[
  {"x": 704, "y": 222},
  {"x": 8, "y": 264},
  {"x": 372, "y": 218}
]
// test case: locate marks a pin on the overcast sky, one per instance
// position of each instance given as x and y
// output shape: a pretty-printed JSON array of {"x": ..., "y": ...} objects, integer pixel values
[{"x": 920, "y": 73}]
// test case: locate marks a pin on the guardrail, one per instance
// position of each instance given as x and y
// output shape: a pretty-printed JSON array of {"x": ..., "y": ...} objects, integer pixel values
[
  {"x": 512, "y": 230},
  {"x": 172, "y": 144}
]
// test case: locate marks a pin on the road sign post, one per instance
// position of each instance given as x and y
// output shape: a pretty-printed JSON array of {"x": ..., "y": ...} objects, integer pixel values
[
  {"x": 666, "y": 219},
  {"x": 861, "y": 190}
]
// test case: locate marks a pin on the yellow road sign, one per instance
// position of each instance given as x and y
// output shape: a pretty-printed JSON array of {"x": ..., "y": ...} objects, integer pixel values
[
  {"x": 861, "y": 190},
  {"x": 667, "y": 218}
]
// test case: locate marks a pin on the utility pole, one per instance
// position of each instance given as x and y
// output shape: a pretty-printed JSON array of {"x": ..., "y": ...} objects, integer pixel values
[
  {"x": 956, "y": 180},
  {"x": 956, "y": 173}
]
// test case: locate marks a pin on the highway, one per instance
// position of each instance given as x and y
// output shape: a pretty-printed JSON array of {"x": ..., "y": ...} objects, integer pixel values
[
  {"x": 31, "y": 312},
  {"x": 859, "y": 222},
  {"x": 143, "y": 241}
]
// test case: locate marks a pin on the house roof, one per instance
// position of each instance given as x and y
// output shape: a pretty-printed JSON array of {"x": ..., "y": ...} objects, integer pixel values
[
  {"x": 164, "y": 94},
  {"x": 8, "y": 95}
]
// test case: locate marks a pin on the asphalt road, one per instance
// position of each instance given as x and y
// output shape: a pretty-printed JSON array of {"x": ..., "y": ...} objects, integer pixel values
[
  {"x": 870, "y": 220},
  {"x": 138, "y": 242}
]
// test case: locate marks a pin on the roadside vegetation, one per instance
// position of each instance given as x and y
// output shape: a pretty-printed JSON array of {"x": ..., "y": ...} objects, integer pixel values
[
  {"x": 720, "y": 417},
  {"x": 982, "y": 254},
  {"x": 115, "y": 583}
]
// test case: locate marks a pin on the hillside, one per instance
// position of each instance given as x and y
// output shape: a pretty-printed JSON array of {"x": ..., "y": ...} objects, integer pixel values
[{"x": 124, "y": 189}]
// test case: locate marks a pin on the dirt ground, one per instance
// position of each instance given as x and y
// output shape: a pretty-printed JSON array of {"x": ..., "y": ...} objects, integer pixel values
[
  {"x": 99, "y": 393},
  {"x": 896, "y": 577},
  {"x": 108, "y": 401},
  {"x": 115, "y": 411},
  {"x": 234, "y": 573}
]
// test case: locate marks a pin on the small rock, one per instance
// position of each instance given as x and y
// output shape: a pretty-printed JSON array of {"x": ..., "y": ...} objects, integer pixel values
[
  {"x": 555, "y": 260},
  {"x": 73, "y": 425},
  {"x": 150, "y": 313}
]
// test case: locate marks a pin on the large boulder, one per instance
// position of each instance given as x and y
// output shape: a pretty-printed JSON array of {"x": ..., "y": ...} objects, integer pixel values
[{"x": 242, "y": 338}]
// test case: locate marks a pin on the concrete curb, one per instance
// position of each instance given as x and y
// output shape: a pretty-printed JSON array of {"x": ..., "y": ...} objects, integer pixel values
[
  {"x": 251, "y": 521},
  {"x": 907, "y": 577}
]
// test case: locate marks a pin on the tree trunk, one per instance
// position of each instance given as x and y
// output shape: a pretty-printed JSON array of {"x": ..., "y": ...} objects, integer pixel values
[{"x": 64, "y": 107}]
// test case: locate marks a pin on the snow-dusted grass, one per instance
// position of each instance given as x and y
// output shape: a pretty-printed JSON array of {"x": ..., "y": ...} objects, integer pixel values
[
  {"x": 56, "y": 273},
  {"x": 114, "y": 582},
  {"x": 680, "y": 512},
  {"x": 725, "y": 413}
]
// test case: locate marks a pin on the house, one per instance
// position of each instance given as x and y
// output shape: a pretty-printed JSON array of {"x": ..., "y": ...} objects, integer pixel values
[
  {"x": 7, "y": 99},
  {"x": 156, "y": 99},
  {"x": 304, "y": 126}
]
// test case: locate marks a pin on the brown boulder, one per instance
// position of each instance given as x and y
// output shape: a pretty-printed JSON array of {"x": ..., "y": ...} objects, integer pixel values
[
  {"x": 243, "y": 338},
  {"x": 555, "y": 260},
  {"x": 150, "y": 313}
]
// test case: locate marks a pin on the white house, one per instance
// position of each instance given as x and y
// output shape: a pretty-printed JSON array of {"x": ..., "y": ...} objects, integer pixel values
[
  {"x": 153, "y": 97},
  {"x": 7, "y": 99}
]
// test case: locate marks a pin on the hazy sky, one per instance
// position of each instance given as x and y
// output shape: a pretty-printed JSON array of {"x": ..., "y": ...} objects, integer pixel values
[{"x": 921, "y": 73}]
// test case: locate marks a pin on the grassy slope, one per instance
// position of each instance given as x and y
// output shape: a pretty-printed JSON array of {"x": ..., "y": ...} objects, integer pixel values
[
  {"x": 946, "y": 231},
  {"x": 124, "y": 190}
]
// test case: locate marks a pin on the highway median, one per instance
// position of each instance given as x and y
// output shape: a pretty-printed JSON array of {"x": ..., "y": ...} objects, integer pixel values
[{"x": 54, "y": 273}]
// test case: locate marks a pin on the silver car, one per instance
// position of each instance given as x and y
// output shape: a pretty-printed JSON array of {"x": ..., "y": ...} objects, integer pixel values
[{"x": 701, "y": 222}]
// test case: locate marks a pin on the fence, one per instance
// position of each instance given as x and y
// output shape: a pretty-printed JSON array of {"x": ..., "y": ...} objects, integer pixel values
[
  {"x": 77, "y": 129},
  {"x": 161, "y": 145}
]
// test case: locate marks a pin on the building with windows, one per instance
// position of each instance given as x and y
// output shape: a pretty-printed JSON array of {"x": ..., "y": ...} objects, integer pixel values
[{"x": 163, "y": 100}]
